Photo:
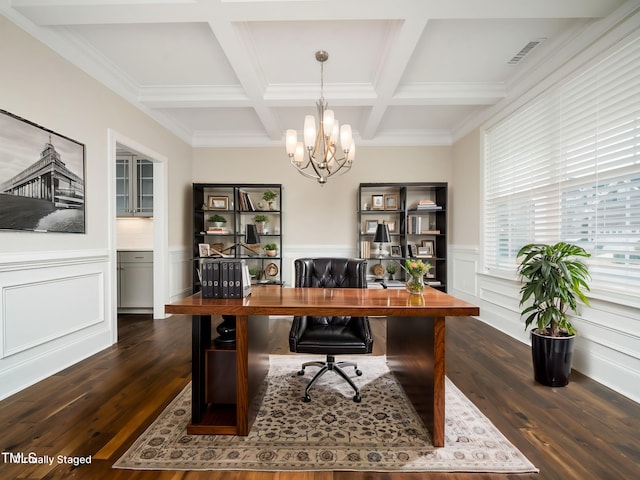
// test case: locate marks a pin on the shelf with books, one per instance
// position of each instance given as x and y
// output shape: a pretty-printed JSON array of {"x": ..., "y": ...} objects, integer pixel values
[
  {"x": 416, "y": 214},
  {"x": 221, "y": 216}
]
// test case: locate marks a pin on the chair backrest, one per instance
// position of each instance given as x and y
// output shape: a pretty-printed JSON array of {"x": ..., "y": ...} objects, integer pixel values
[{"x": 331, "y": 272}]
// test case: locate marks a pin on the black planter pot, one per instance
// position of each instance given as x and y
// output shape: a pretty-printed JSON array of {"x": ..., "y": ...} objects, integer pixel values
[{"x": 551, "y": 359}]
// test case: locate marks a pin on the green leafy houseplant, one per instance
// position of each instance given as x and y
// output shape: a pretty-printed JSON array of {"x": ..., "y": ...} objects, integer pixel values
[
  {"x": 260, "y": 218},
  {"x": 269, "y": 196},
  {"x": 392, "y": 268},
  {"x": 271, "y": 249},
  {"x": 217, "y": 218},
  {"x": 555, "y": 279}
]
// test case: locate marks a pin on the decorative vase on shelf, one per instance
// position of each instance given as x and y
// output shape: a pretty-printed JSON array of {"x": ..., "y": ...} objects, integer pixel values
[{"x": 415, "y": 285}]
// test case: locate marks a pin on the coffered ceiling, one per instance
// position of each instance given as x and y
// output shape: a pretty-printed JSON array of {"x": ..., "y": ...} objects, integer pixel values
[{"x": 240, "y": 72}]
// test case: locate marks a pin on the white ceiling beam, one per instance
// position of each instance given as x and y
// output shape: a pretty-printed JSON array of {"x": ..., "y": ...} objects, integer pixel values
[
  {"x": 94, "y": 12},
  {"x": 449, "y": 93},
  {"x": 202, "y": 96},
  {"x": 392, "y": 65},
  {"x": 232, "y": 41}
]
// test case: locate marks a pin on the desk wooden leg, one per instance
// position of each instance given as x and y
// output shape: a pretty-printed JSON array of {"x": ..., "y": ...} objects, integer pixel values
[
  {"x": 242, "y": 386},
  {"x": 438, "y": 381},
  {"x": 415, "y": 354}
]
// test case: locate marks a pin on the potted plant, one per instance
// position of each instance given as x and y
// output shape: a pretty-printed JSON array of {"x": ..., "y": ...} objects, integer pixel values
[
  {"x": 271, "y": 249},
  {"x": 269, "y": 196},
  {"x": 255, "y": 273},
  {"x": 217, "y": 220},
  {"x": 392, "y": 268},
  {"x": 554, "y": 279},
  {"x": 260, "y": 221}
]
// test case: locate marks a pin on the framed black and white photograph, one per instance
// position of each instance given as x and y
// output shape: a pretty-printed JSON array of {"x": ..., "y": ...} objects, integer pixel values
[
  {"x": 41, "y": 178},
  {"x": 395, "y": 251},
  {"x": 218, "y": 203},
  {"x": 377, "y": 202},
  {"x": 413, "y": 250},
  {"x": 391, "y": 201},
  {"x": 392, "y": 227},
  {"x": 371, "y": 226}
]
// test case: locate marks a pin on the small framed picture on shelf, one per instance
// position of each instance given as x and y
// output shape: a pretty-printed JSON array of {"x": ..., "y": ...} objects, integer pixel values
[
  {"x": 391, "y": 201},
  {"x": 413, "y": 250},
  {"x": 392, "y": 227},
  {"x": 218, "y": 203},
  {"x": 428, "y": 248},
  {"x": 377, "y": 202},
  {"x": 395, "y": 251},
  {"x": 371, "y": 226},
  {"x": 204, "y": 249}
]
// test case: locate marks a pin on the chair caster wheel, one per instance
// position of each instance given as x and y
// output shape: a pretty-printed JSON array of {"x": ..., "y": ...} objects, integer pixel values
[
  {"x": 358, "y": 372},
  {"x": 356, "y": 398},
  {"x": 300, "y": 372},
  {"x": 306, "y": 399}
]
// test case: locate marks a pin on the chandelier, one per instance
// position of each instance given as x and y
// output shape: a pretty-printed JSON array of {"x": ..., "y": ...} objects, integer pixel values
[{"x": 322, "y": 159}]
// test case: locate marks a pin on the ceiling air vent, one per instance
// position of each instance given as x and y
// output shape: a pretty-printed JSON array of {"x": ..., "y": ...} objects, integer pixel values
[{"x": 525, "y": 51}]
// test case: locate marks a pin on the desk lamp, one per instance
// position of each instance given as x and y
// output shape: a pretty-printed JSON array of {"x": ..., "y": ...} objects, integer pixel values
[{"x": 381, "y": 236}]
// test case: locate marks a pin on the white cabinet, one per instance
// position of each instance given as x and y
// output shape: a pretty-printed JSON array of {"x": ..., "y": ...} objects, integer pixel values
[
  {"x": 134, "y": 186},
  {"x": 135, "y": 282}
]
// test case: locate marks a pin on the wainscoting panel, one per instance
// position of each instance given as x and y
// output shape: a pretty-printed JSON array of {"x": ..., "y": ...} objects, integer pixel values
[
  {"x": 463, "y": 270},
  {"x": 180, "y": 273},
  {"x": 56, "y": 310},
  {"x": 48, "y": 315}
]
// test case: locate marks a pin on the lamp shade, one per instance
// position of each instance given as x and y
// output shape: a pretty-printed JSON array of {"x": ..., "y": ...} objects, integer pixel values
[
  {"x": 382, "y": 234},
  {"x": 252, "y": 234}
]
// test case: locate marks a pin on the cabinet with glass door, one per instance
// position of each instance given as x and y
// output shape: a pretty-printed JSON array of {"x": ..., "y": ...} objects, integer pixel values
[{"x": 134, "y": 186}]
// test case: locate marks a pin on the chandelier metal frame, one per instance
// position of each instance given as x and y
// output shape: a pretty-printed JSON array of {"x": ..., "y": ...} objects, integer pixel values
[{"x": 322, "y": 159}]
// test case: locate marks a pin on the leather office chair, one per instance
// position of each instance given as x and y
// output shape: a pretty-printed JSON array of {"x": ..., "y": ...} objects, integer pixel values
[{"x": 330, "y": 335}]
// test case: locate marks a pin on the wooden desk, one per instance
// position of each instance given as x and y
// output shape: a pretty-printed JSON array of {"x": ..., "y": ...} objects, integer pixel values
[{"x": 415, "y": 347}]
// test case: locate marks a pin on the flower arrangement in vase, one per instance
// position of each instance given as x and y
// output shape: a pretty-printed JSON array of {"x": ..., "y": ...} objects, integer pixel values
[{"x": 416, "y": 269}]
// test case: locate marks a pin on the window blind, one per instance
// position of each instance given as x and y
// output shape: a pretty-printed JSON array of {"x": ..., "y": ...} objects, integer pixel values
[{"x": 567, "y": 167}]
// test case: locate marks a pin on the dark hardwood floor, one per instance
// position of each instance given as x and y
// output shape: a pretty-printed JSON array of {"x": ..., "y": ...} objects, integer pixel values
[{"x": 98, "y": 408}]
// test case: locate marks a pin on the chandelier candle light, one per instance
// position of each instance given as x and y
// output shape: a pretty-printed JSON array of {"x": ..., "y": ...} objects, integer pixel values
[{"x": 323, "y": 159}]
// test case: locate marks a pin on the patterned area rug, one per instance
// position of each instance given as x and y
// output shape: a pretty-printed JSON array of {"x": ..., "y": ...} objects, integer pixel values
[{"x": 332, "y": 432}]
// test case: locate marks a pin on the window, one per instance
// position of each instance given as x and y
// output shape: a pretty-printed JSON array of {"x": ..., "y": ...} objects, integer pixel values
[{"x": 567, "y": 167}]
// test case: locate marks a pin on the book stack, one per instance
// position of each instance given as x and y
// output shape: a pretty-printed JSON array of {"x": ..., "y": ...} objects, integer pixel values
[
  {"x": 429, "y": 205},
  {"x": 394, "y": 284},
  {"x": 225, "y": 278},
  {"x": 217, "y": 231}
]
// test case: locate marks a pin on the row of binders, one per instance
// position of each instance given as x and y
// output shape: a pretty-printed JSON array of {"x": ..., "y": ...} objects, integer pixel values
[{"x": 225, "y": 278}]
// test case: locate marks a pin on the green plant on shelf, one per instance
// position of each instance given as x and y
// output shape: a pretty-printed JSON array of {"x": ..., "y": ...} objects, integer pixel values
[
  {"x": 392, "y": 268},
  {"x": 217, "y": 219},
  {"x": 269, "y": 195}
]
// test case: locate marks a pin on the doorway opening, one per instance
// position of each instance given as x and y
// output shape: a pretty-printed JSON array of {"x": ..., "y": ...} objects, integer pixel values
[{"x": 152, "y": 235}]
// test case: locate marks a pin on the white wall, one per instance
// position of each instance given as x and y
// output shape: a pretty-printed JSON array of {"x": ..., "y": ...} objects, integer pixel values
[{"x": 57, "y": 300}]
